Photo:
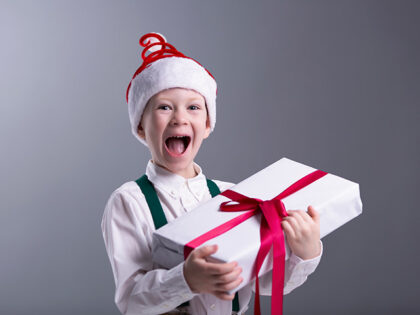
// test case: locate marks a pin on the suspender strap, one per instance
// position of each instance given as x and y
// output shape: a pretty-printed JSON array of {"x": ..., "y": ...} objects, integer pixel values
[
  {"x": 159, "y": 218},
  {"x": 153, "y": 202},
  {"x": 214, "y": 190},
  {"x": 235, "y": 303}
]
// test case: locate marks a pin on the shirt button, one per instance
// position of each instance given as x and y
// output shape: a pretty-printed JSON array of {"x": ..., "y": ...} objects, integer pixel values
[
  {"x": 212, "y": 307},
  {"x": 173, "y": 193}
]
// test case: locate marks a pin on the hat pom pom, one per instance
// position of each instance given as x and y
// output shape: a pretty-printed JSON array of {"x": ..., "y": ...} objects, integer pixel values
[{"x": 159, "y": 38}]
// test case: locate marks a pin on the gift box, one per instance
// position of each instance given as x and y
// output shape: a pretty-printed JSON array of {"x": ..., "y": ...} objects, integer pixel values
[{"x": 336, "y": 199}]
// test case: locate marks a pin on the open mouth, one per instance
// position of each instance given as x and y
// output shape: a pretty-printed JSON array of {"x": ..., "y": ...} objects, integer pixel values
[{"x": 177, "y": 145}]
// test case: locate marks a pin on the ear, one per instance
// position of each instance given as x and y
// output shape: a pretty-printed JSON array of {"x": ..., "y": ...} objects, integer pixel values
[
  {"x": 207, "y": 131},
  {"x": 140, "y": 132}
]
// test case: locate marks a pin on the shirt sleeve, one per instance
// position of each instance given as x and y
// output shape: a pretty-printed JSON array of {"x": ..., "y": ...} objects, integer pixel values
[
  {"x": 296, "y": 271},
  {"x": 139, "y": 289}
]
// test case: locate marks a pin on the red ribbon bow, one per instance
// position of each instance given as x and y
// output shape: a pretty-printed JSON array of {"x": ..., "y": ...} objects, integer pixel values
[{"x": 271, "y": 233}]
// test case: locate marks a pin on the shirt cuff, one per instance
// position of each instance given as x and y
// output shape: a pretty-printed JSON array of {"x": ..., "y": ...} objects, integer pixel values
[
  {"x": 177, "y": 285},
  {"x": 306, "y": 266}
]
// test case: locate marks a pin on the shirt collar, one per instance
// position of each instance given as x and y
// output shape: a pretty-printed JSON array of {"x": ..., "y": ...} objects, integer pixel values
[{"x": 170, "y": 181}]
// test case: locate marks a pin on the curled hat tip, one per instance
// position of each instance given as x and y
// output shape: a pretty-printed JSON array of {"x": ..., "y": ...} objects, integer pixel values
[
  {"x": 159, "y": 34},
  {"x": 152, "y": 38},
  {"x": 156, "y": 40}
]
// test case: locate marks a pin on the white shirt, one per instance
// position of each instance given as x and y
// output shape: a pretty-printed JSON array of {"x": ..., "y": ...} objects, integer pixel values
[{"x": 127, "y": 227}]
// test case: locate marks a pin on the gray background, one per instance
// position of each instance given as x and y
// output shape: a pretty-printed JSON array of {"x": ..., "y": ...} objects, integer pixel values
[{"x": 332, "y": 84}]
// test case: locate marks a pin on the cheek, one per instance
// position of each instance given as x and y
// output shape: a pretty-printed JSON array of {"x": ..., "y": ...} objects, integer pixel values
[
  {"x": 202, "y": 131},
  {"x": 156, "y": 129}
]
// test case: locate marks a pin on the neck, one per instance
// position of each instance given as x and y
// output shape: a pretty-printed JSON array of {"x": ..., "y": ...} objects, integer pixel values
[{"x": 188, "y": 172}]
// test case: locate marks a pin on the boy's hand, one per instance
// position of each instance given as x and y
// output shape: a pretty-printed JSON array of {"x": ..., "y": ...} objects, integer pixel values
[
  {"x": 206, "y": 277},
  {"x": 302, "y": 232}
]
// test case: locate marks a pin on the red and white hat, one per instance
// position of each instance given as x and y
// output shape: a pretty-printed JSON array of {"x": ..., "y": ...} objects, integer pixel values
[{"x": 164, "y": 68}]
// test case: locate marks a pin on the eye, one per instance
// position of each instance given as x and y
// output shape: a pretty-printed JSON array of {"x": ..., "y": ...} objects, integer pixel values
[
  {"x": 194, "y": 107},
  {"x": 164, "y": 107}
]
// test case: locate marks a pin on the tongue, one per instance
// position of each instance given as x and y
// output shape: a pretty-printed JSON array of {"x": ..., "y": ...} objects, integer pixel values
[{"x": 175, "y": 145}]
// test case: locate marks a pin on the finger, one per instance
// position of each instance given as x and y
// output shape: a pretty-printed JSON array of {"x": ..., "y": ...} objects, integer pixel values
[
  {"x": 293, "y": 222},
  {"x": 304, "y": 215},
  {"x": 224, "y": 296},
  {"x": 297, "y": 225},
  {"x": 204, "y": 251},
  {"x": 228, "y": 277},
  {"x": 220, "y": 268},
  {"x": 230, "y": 286},
  {"x": 290, "y": 233},
  {"x": 313, "y": 214},
  {"x": 299, "y": 215}
]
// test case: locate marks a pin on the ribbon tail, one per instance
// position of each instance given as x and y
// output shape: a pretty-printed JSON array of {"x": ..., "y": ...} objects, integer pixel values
[
  {"x": 257, "y": 307},
  {"x": 266, "y": 243},
  {"x": 273, "y": 210},
  {"x": 279, "y": 254}
]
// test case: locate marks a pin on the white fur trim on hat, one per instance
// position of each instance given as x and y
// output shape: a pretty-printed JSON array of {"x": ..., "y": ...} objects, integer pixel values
[{"x": 166, "y": 73}]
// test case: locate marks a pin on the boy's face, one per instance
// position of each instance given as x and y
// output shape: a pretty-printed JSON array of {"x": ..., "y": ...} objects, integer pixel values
[{"x": 174, "y": 124}]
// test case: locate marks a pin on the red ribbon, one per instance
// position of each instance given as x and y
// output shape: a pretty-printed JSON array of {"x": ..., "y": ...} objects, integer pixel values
[{"x": 271, "y": 233}]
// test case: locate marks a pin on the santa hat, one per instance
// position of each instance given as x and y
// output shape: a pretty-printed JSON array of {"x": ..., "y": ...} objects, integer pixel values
[{"x": 164, "y": 68}]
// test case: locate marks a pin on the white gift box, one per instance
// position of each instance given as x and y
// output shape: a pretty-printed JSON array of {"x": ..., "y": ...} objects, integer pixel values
[{"x": 336, "y": 199}]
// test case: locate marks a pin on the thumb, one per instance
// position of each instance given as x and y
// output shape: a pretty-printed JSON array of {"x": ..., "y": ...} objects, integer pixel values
[
  {"x": 313, "y": 214},
  {"x": 205, "y": 251}
]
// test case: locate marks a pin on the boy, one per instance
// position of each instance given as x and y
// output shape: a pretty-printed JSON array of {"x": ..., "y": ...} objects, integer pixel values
[{"x": 172, "y": 109}]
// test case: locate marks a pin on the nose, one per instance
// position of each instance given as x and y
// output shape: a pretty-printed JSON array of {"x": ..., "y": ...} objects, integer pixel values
[{"x": 179, "y": 117}]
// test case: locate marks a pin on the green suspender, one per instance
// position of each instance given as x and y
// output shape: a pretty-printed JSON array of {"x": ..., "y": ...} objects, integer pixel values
[
  {"x": 153, "y": 202},
  {"x": 159, "y": 218},
  {"x": 214, "y": 190}
]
